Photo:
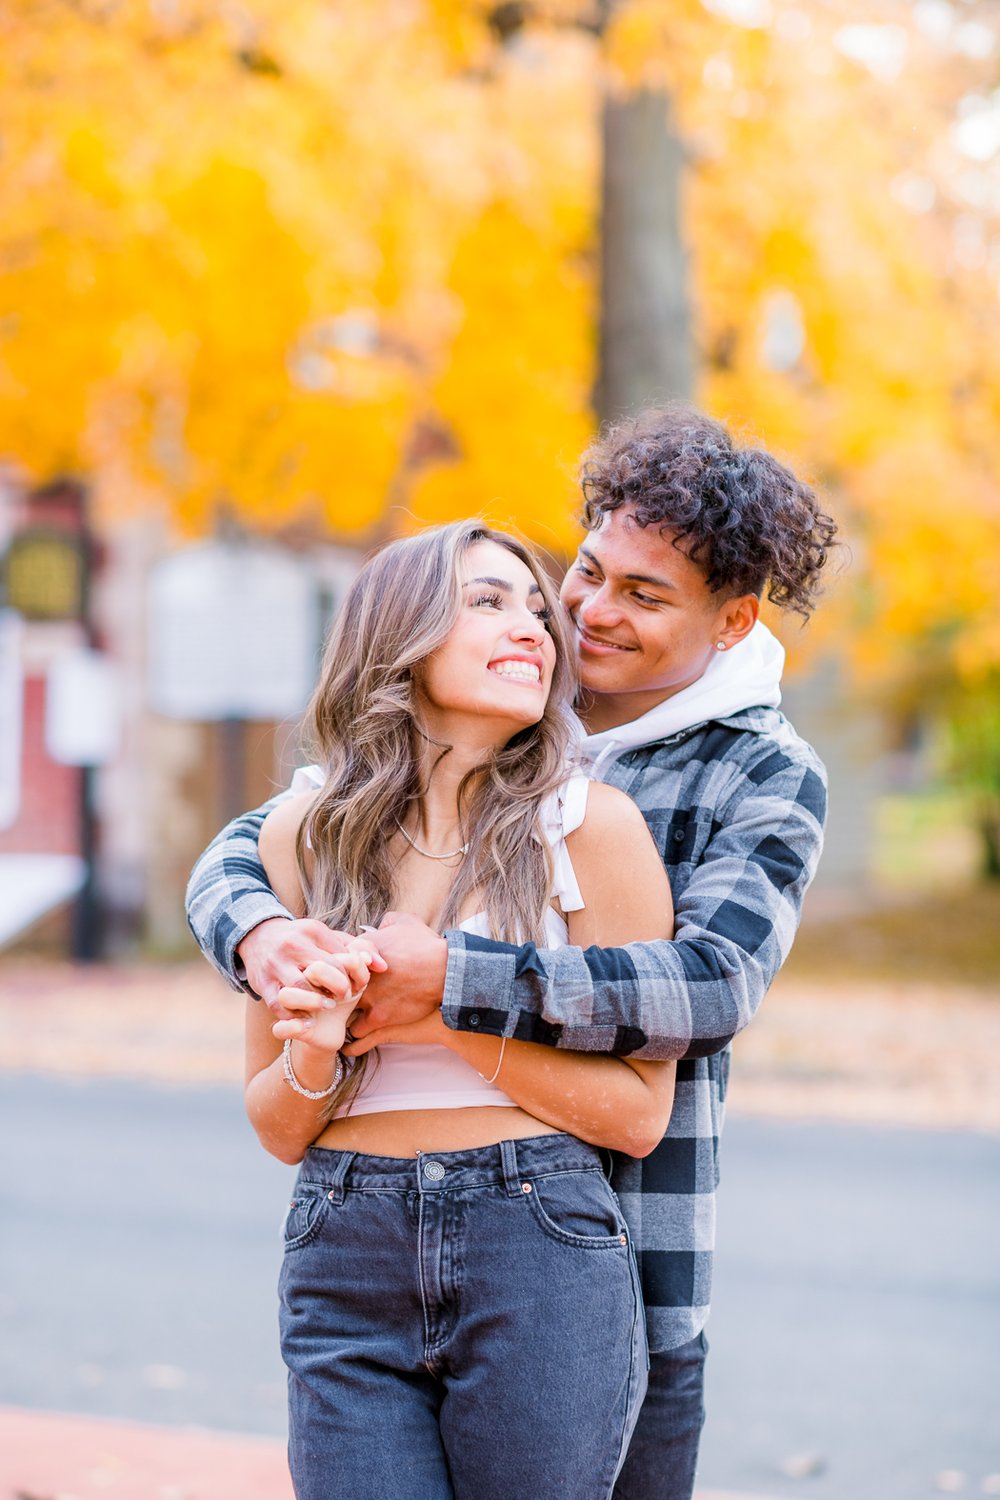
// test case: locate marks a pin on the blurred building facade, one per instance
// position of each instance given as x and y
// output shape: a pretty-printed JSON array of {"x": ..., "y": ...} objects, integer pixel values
[{"x": 148, "y": 692}]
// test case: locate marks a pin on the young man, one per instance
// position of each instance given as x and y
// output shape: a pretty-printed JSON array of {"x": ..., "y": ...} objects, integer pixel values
[{"x": 684, "y": 534}]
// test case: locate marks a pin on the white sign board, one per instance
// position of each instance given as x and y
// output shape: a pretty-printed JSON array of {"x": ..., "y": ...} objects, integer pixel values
[
  {"x": 32, "y": 884},
  {"x": 232, "y": 634},
  {"x": 11, "y": 716},
  {"x": 82, "y": 709}
]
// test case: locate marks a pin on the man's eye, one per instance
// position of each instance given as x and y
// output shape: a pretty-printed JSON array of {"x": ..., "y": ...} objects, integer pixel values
[
  {"x": 587, "y": 572},
  {"x": 646, "y": 599}
]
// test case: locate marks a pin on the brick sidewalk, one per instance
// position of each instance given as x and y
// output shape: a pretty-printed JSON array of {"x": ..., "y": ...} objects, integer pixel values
[{"x": 54, "y": 1456}]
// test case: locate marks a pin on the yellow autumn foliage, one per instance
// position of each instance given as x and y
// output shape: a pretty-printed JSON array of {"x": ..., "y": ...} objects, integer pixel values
[{"x": 338, "y": 262}]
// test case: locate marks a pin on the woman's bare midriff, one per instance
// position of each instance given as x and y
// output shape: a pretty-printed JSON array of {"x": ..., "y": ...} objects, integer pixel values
[{"x": 406, "y": 1132}]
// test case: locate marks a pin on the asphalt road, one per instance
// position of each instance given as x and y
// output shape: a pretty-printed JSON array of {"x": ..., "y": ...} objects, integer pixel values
[{"x": 855, "y": 1334}]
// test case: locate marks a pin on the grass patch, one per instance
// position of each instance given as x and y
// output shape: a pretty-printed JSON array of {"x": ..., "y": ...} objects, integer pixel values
[
  {"x": 925, "y": 841},
  {"x": 937, "y": 937}
]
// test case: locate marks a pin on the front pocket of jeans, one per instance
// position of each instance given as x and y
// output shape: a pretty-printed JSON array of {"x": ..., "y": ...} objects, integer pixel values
[
  {"x": 577, "y": 1208},
  {"x": 305, "y": 1216}
]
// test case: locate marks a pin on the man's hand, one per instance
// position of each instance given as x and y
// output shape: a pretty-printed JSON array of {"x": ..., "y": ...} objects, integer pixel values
[
  {"x": 276, "y": 952},
  {"x": 417, "y": 957},
  {"x": 429, "y": 1030}
]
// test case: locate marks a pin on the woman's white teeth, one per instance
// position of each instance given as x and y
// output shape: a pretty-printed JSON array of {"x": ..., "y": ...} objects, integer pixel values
[{"x": 524, "y": 670}]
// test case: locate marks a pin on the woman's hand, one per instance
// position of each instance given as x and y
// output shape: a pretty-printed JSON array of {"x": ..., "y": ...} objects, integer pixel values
[{"x": 319, "y": 1009}]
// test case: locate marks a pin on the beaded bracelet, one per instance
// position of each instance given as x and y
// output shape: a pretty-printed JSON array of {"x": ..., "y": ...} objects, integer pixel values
[{"x": 290, "y": 1078}]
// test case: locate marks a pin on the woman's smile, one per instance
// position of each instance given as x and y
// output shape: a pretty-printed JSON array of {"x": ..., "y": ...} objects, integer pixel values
[{"x": 525, "y": 669}]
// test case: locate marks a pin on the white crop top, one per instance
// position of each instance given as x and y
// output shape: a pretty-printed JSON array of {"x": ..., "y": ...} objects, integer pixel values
[{"x": 434, "y": 1077}]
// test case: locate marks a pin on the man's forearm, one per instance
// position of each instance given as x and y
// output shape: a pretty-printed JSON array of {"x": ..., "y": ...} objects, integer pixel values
[
  {"x": 736, "y": 919},
  {"x": 658, "y": 1001}
]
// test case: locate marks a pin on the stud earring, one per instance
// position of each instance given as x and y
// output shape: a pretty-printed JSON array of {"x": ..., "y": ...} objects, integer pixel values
[{"x": 720, "y": 645}]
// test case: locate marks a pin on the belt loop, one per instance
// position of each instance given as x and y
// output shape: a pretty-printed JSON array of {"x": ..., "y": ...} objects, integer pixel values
[
  {"x": 511, "y": 1176},
  {"x": 338, "y": 1180}
]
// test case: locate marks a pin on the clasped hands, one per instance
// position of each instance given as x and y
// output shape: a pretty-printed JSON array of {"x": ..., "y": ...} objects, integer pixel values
[{"x": 384, "y": 985}]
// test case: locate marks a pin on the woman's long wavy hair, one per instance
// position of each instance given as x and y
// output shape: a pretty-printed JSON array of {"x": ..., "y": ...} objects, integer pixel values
[{"x": 364, "y": 724}]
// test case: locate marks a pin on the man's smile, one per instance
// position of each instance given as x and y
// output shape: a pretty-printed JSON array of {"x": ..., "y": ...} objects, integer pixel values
[{"x": 594, "y": 643}]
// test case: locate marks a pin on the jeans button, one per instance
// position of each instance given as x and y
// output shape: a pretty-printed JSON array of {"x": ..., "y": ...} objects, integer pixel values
[{"x": 433, "y": 1170}]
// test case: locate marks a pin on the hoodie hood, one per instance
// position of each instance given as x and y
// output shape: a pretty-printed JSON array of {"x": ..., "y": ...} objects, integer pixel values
[{"x": 747, "y": 676}]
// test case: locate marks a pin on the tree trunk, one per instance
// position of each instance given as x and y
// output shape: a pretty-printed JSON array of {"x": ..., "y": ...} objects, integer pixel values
[
  {"x": 645, "y": 340},
  {"x": 989, "y": 834}
]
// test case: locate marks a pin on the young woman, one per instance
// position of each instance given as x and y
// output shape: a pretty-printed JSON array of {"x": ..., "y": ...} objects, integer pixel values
[{"x": 459, "y": 1305}]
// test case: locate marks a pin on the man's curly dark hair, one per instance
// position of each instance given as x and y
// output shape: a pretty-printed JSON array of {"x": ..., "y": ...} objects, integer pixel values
[{"x": 738, "y": 512}]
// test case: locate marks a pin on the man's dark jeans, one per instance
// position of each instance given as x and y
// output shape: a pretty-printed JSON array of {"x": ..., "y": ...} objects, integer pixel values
[{"x": 663, "y": 1453}]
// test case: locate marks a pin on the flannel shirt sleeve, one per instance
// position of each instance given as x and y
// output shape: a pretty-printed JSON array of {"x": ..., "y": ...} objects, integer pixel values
[
  {"x": 228, "y": 894},
  {"x": 735, "y": 922}
]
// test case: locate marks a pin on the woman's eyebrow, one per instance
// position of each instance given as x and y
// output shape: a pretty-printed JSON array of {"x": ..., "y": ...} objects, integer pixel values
[
  {"x": 501, "y": 583},
  {"x": 494, "y": 583}
]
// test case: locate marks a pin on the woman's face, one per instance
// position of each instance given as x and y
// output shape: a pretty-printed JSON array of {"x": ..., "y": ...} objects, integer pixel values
[{"x": 494, "y": 672}]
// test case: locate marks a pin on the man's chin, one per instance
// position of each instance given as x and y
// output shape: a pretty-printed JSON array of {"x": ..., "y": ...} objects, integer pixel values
[{"x": 596, "y": 680}]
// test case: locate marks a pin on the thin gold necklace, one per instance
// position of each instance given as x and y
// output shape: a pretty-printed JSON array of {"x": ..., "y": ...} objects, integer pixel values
[{"x": 426, "y": 852}]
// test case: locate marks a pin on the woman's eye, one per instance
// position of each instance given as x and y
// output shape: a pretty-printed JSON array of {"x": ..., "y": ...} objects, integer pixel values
[
  {"x": 495, "y": 601},
  {"x": 545, "y": 615}
]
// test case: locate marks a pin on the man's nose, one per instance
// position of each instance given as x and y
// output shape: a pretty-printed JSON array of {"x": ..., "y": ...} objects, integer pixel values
[{"x": 598, "y": 607}]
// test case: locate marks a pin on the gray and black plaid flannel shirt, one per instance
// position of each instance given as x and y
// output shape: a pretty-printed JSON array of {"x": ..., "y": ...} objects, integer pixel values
[{"x": 736, "y": 807}]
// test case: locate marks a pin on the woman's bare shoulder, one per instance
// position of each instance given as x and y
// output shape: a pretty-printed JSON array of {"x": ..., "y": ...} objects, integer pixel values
[
  {"x": 622, "y": 878},
  {"x": 276, "y": 847},
  {"x": 283, "y": 822},
  {"x": 611, "y": 814}
]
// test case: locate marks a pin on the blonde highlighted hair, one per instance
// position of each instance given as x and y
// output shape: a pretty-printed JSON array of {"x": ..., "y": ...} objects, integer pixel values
[{"x": 365, "y": 730}]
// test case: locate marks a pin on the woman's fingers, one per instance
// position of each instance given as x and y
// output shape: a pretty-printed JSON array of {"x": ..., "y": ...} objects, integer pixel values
[
  {"x": 326, "y": 984},
  {"x": 343, "y": 976},
  {"x": 296, "y": 1027},
  {"x": 322, "y": 1024},
  {"x": 366, "y": 944},
  {"x": 294, "y": 997}
]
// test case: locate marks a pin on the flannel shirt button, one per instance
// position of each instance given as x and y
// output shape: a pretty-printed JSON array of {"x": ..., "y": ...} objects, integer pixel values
[
  {"x": 474, "y": 1019},
  {"x": 678, "y": 835}
]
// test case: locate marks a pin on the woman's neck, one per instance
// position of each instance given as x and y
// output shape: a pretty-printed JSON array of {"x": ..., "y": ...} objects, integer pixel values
[{"x": 442, "y": 775}]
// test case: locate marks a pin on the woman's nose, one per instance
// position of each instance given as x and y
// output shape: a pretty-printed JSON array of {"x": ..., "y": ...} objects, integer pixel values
[{"x": 528, "y": 628}]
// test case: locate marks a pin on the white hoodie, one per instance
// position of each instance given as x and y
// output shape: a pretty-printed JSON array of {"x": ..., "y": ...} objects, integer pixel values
[{"x": 748, "y": 675}]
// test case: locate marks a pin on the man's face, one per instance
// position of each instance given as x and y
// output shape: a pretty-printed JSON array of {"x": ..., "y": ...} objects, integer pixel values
[{"x": 647, "y": 624}]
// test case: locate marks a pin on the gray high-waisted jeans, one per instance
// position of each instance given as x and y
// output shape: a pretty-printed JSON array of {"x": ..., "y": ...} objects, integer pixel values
[{"x": 463, "y": 1326}]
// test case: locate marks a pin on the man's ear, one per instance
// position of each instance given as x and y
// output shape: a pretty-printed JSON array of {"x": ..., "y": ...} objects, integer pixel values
[{"x": 737, "y": 617}]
